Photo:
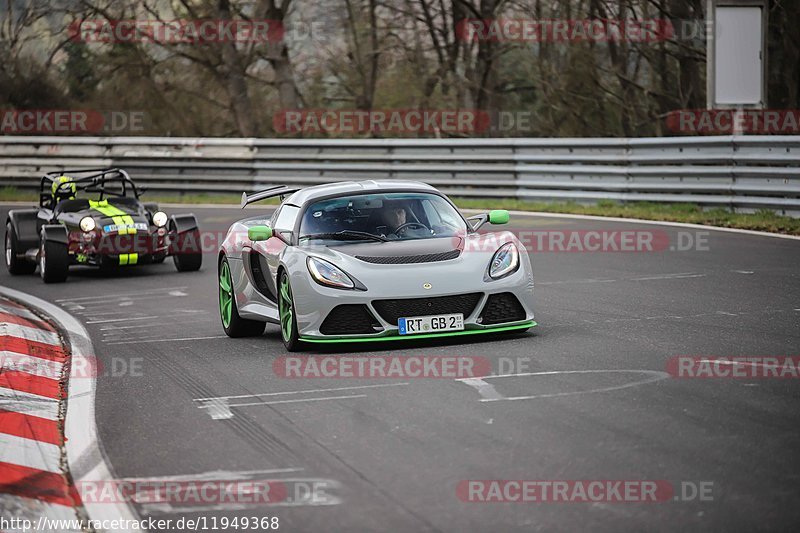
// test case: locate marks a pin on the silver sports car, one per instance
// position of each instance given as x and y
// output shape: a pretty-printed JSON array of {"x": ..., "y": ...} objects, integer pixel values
[{"x": 371, "y": 261}]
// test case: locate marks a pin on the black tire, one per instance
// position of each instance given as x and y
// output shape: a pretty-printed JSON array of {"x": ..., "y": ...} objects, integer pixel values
[
  {"x": 53, "y": 261},
  {"x": 15, "y": 265},
  {"x": 192, "y": 261},
  {"x": 233, "y": 324},
  {"x": 291, "y": 340}
]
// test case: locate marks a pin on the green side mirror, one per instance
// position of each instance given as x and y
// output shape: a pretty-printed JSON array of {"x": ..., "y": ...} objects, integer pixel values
[
  {"x": 498, "y": 216},
  {"x": 259, "y": 233}
]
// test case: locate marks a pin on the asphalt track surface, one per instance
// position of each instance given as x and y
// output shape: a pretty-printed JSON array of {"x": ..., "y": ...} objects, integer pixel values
[{"x": 392, "y": 456}]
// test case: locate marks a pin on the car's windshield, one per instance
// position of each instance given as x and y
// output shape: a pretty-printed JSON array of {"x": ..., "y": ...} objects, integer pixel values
[{"x": 381, "y": 217}]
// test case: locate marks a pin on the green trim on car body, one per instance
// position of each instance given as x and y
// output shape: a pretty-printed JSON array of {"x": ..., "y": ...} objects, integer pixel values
[
  {"x": 285, "y": 307},
  {"x": 225, "y": 294},
  {"x": 524, "y": 325}
]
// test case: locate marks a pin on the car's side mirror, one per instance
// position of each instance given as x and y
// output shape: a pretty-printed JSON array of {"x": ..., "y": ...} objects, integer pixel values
[
  {"x": 259, "y": 233},
  {"x": 498, "y": 216},
  {"x": 495, "y": 216}
]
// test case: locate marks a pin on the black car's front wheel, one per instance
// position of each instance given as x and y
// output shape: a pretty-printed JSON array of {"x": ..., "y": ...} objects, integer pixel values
[
  {"x": 233, "y": 324},
  {"x": 188, "y": 256},
  {"x": 53, "y": 261},
  {"x": 14, "y": 264},
  {"x": 286, "y": 312}
]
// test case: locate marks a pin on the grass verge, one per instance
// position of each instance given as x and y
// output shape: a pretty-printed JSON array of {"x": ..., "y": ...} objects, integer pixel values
[{"x": 762, "y": 220}]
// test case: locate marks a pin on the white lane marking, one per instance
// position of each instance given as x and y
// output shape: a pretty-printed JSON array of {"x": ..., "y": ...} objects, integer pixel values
[
  {"x": 303, "y": 498},
  {"x": 474, "y": 382},
  {"x": 576, "y": 281},
  {"x": 219, "y": 408},
  {"x": 86, "y": 459},
  {"x": 30, "y": 364},
  {"x": 308, "y": 391},
  {"x": 603, "y": 280},
  {"x": 114, "y": 297},
  {"x": 214, "y": 475},
  {"x": 322, "y": 399},
  {"x": 121, "y": 319},
  {"x": 30, "y": 453},
  {"x": 170, "y": 340},
  {"x": 31, "y": 509},
  {"x": 670, "y": 276},
  {"x": 485, "y": 389},
  {"x": 743, "y": 271},
  {"x": 28, "y": 404},
  {"x": 29, "y": 333},
  {"x": 173, "y": 321}
]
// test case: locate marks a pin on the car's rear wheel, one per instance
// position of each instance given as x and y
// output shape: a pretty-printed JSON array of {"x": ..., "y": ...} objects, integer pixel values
[
  {"x": 286, "y": 312},
  {"x": 14, "y": 264},
  {"x": 232, "y": 323},
  {"x": 53, "y": 261}
]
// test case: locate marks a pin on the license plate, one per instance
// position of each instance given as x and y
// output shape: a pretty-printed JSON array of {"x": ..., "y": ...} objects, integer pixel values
[
  {"x": 112, "y": 228},
  {"x": 430, "y": 324}
]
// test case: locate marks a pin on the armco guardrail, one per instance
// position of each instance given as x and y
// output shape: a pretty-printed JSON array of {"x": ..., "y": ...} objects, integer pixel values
[{"x": 744, "y": 172}]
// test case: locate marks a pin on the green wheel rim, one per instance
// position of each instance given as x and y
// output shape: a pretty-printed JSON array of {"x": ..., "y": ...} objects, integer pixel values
[
  {"x": 225, "y": 294},
  {"x": 285, "y": 308}
]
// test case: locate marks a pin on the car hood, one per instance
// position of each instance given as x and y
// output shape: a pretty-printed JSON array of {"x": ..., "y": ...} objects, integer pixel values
[{"x": 403, "y": 252}]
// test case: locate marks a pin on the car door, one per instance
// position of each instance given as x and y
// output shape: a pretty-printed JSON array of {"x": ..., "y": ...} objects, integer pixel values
[{"x": 283, "y": 225}]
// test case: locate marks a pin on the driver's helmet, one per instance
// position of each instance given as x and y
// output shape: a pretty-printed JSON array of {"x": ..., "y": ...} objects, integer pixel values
[{"x": 65, "y": 192}]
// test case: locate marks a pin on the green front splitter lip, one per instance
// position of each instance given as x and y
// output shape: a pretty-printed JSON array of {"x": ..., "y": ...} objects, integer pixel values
[{"x": 524, "y": 325}]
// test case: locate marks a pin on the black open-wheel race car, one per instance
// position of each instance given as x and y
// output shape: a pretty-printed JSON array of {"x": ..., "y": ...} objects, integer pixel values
[{"x": 111, "y": 230}]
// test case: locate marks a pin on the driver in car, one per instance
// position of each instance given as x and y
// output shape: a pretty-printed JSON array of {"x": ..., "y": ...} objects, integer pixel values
[{"x": 394, "y": 217}]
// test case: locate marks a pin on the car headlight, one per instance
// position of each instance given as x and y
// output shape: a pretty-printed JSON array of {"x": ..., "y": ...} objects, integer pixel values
[
  {"x": 326, "y": 273},
  {"x": 87, "y": 224},
  {"x": 160, "y": 219},
  {"x": 504, "y": 262}
]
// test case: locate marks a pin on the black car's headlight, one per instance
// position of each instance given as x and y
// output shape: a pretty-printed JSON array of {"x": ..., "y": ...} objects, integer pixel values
[
  {"x": 159, "y": 219},
  {"x": 328, "y": 274},
  {"x": 504, "y": 262},
  {"x": 87, "y": 224}
]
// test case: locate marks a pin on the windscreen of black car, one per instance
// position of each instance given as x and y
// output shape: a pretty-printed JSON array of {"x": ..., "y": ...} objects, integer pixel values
[{"x": 383, "y": 216}]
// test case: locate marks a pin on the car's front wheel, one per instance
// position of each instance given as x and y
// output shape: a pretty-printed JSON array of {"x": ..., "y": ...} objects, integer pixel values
[
  {"x": 286, "y": 312},
  {"x": 14, "y": 264},
  {"x": 233, "y": 324},
  {"x": 53, "y": 261},
  {"x": 188, "y": 257}
]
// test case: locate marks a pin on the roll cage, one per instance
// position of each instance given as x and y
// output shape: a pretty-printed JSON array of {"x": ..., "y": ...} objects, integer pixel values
[{"x": 93, "y": 180}]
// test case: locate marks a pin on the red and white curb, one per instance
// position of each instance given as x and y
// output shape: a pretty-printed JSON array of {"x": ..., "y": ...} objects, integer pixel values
[{"x": 48, "y": 432}]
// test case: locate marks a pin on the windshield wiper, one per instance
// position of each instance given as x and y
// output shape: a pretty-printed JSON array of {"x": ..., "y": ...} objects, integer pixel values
[{"x": 346, "y": 235}]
